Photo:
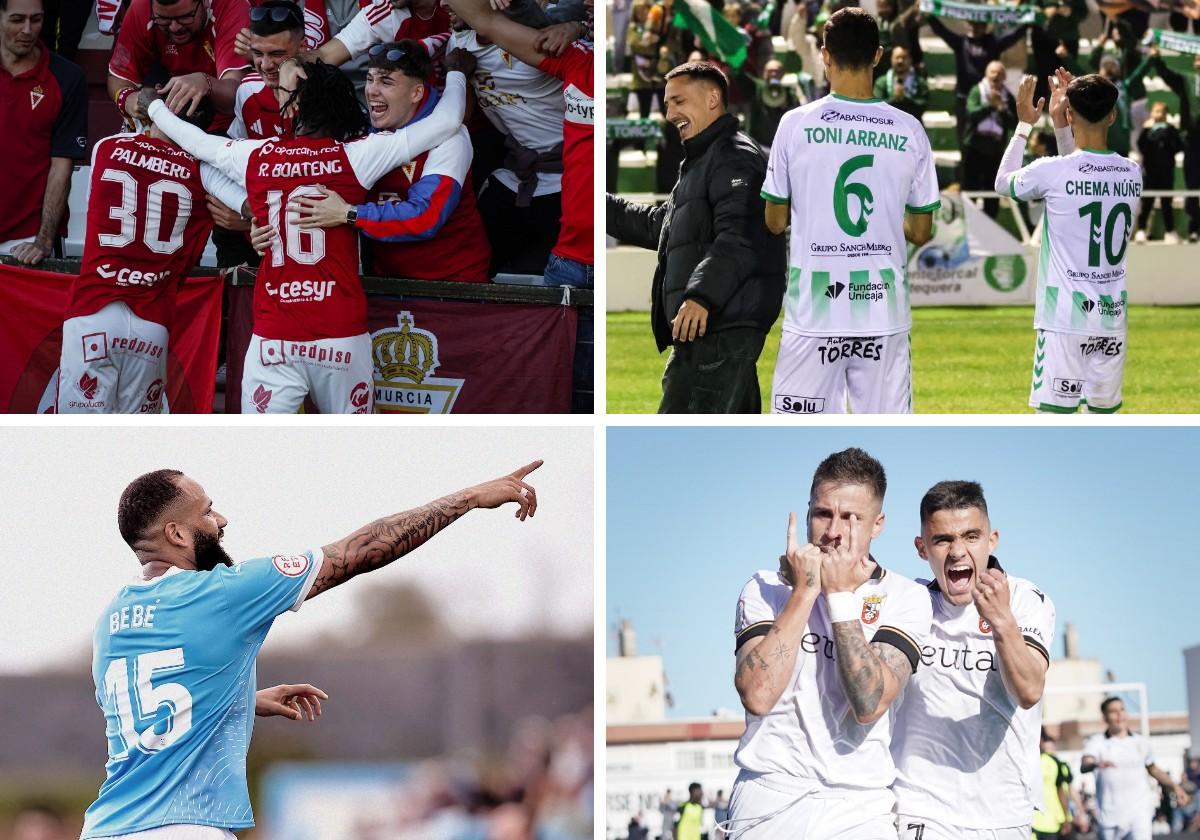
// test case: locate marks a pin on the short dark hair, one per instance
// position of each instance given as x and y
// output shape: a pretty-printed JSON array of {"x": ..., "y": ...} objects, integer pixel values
[
  {"x": 1108, "y": 701},
  {"x": 952, "y": 495},
  {"x": 693, "y": 787},
  {"x": 852, "y": 38},
  {"x": 1092, "y": 97},
  {"x": 852, "y": 466},
  {"x": 144, "y": 500},
  {"x": 413, "y": 60},
  {"x": 704, "y": 71},
  {"x": 328, "y": 104},
  {"x": 267, "y": 25}
]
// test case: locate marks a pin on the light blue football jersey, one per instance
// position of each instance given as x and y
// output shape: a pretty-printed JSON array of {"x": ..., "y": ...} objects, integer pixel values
[{"x": 173, "y": 663}]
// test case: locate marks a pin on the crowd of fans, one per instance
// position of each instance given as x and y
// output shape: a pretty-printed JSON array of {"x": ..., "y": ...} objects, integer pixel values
[
  {"x": 647, "y": 42},
  {"x": 493, "y": 207}
]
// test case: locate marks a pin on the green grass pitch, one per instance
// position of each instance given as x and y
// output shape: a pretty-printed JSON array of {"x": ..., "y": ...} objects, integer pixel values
[{"x": 966, "y": 360}]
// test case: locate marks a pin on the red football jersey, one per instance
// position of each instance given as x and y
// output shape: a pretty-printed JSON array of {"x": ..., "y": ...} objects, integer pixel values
[
  {"x": 309, "y": 285},
  {"x": 574, "y": 68},
  {"x": 147, "y": 224},
  {"x": 256, "y": 111}
]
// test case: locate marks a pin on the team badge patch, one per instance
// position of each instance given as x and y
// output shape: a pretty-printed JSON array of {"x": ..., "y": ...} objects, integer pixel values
[
  {"x": 292, "y": 565},
  {"x": 870, "y": 609},
  {"x": 984, "y": 627},
  {"x": 36, "y": 96}
]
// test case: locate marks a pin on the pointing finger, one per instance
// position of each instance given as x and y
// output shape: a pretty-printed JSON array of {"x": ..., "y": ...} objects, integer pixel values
[
  {"x": 791, "y": 533},
  {"x": 527, "y": 469}
]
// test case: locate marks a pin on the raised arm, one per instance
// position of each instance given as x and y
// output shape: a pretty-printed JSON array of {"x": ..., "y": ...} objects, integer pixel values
[
  {"x": 390, "y": 538},
  {"x": 1014, "y": 154},
  {"x": 765, "y": 662},
  {"x": 513, "y": 37},
  {"x": 229, "y": 157},
  {"x": 1022, "y": 668}
]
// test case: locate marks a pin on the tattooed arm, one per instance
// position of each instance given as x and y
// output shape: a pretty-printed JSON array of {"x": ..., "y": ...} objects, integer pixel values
[
  {"x": 871, "y": 674},
  {"x": 765, "y": 663},
  {"x": 387, "y": 539}
]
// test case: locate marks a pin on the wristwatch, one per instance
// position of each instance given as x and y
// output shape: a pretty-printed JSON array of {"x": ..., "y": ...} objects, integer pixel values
[{"x": 351, "y": 216}]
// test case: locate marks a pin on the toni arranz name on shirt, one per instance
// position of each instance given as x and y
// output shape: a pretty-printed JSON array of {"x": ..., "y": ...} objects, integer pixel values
[
  {"x": 856, "y": 137},
  {"x": 135, "y": 617}
]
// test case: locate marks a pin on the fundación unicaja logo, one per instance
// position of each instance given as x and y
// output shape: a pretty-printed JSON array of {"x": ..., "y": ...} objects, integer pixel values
[{"x": 1004, "y": 273}]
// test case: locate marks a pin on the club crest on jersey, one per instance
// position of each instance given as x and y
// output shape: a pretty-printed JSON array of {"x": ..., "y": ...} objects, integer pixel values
[
  {"x": 410, "y": 170},
  {"x": 984, "y": 627},
  {"x": 292, "y": 565},
  {"x": 870, "y": 609},
  {"x": 507, "y": 58},
  {"x": 405, "y": 360},
  {"x": 36, "y": 96}
]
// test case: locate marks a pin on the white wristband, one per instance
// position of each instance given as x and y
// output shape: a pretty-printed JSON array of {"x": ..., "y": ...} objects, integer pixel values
[
  {"x": 843, "y": 606},
  {"x": 1024, "y": 129}
]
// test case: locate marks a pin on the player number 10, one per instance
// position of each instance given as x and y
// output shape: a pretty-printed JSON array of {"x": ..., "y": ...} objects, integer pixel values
[
  {"x": 306, "y": 247},
  {"x": 146, "y": 701},
  {"x": 1093, "y": 212}
]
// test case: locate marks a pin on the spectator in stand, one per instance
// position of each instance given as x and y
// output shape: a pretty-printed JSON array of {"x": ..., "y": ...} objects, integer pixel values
[
  {"x": 1189, "y": 121},
  {"x": 1158, "y": 144},
  {"x": 1120, "y": 132},
  {"x": 973, "y": 53},
  {"x": 64, "y": 25},
  {"x": 643, "y": 41},
  {"x": 720, "y": 806},
  {"x": 1118, "y": 41},
  {"x": 903, "y": 86},
  {"x": 899, "y": 29},
  {"x": 554, "y": 51},
  {"x": 43, "y": 114},
  {"x": 421, "y": 215},
  {"x": 774, "y": 96},
  {"x": 991, "y": 119},
  {"x": 194, "y": 40},
  {"x": 666, "y": 807},
  {"x": 1061, "y": 27},
  {"x": 636, "y": 831},
  {"x": 1184, "y": 816}
]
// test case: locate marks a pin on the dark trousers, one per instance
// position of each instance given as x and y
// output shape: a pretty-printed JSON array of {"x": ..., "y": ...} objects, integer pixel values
[
  {"x": 1168, "y": 212},
  {"x": 716, "y": 374},
  {"x": 521, "y": 237},
  {"x": 979, "y": 173},
  {"x": 1191, "y": 180},
  {"x": 645, "y": 100}
]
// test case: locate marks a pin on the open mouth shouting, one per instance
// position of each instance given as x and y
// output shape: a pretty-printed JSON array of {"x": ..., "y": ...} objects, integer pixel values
[{"x": 959, "y": 576}]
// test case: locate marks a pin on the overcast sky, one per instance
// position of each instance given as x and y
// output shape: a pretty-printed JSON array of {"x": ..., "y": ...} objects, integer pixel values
[{"x": 285, "y": 490}]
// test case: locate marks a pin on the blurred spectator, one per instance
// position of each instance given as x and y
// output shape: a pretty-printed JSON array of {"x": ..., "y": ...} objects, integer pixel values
[
  {"x": 636, "y": 830},
  {"x": 720, "y": 806},
  {"x": 1184, "y": 817},
  {"x": 899, "y": 30},
  {"x": 65, "y": 23},
  {"x": 643, "y": 41},
  {"x": 902, "y": 85},
  {"x": 39, "y": 822},
  {"x": 194, "y": 41},
  {"x": 805, "y": 45},
  {"x": 666, "y": 807},
  {"x": 1158, "y": 144},
  {"x": 43, "y": 111},
  {"x": 774, "y": 96},
  {"x": 1053, "y": 819},
  {"x": 1189, "y": 122},
  {"x": 1110, "y": 67},
  {"x": 690, "y": 819},
  {"x": 1061, "y": 27},
  {"x": 991, "y": 119},
  {"x": 973, "y": 53},
  {"x": 1117, "y": 41}
]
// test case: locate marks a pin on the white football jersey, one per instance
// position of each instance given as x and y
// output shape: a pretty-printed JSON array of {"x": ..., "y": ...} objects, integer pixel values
[
  {"x": 519, "y": 100},
  {"x": 1090, "y": 198},
  {"x": 810, "y": 739},
  {"x": 966, "y": 753},
  {"x": 850, "y": 169},
  {"x": 1123, "y": 792}
]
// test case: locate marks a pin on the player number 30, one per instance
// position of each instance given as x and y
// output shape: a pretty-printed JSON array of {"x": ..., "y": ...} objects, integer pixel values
[{"x": 146, "y": 701}]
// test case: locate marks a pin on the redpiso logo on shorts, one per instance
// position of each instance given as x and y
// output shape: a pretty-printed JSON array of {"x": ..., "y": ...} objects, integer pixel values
[
  {"x": 292, "y": 565},
  {"x": 262, "y": 399},
  {"x": 359, "y": 397},
  {"x": 789, "y": 404}
]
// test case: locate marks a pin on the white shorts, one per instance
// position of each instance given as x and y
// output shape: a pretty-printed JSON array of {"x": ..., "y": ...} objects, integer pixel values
[
  {"x": 178, "y": 832},
  {"x": 1130, "y": 830},
  {"x": 112, "y": 362},
  {"x": 825, "y": 375},
  {"x": 338, "y": 372},
  {"x": 758, "y": 812},
  {"x": 924, "y": 828},
  {"x": 1070, "y": 369}
]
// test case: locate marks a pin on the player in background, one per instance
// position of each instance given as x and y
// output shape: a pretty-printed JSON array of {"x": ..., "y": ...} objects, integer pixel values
[
  {"x": 855, "y": 177},
  {"x": 1120, "y": 759},
  {"x": 174, "y": 651},
  {"x": 147, "y": 225},
  {"x": 571, "y": 259},
  {"x": 1091, "y": 194},
  {"x": 421, "y": 215},
  {"x": 965, "y": 740},
  {"x": 825, "y": 645},
  {"x": 310, "y": 311}
]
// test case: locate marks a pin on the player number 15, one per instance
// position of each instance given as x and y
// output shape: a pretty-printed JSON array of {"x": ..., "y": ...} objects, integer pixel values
[{"x": 146, "y": 702}]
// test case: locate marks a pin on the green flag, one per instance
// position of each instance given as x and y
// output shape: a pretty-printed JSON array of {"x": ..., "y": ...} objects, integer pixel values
[{"x": 718, "y": 35}]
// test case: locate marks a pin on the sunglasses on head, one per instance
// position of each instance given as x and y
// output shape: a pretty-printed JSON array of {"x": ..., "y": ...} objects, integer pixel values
[
  {"x": 394, "y": 54},
  {"x": 276, "y": 13}
]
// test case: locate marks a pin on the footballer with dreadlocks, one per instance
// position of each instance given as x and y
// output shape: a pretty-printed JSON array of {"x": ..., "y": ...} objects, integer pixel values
[{"x": 310, "y": 311}]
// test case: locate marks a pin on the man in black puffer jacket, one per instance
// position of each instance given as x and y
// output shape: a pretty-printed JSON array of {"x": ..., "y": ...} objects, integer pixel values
[{"x": 721, "y": 274}]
